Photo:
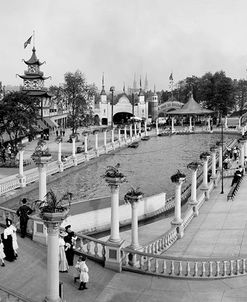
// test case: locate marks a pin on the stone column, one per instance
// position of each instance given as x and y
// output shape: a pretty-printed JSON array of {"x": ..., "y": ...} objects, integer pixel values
[
  {"x": 157, "y": 127},
  {"x": 145, "y": 128},
  {"x": 173, "y": 129},
  {"x": 125, "y": 133},
  {"x": 193, "y": 199},
  {"x": 119, "y": 136},
  {"x": 52, "y": 290},
  {"x": 85, "y": 143},
  {"x": 139, "y": 128},
  {"x": 114, "y": 237},
  {"x": 96, "y": 144},
  {"x": 177, "y": 219},
  {"x": 220, "y": 156},
  {"x": 205, "y": 176},
  {"x": 73, "y": 151},
  {"x": 214, "y": 176},
  {"x": 105, "y": 139},
  {"x": 242, "y": 143},
  {"x": 112, "y": 138},
  {"x": 209, "y": 127},
  {"x": 22, "y": 178},
  {"x": 59, "y": 156},
  {"x": 134, "y": 226},
  {"x": 42, "y": 180},
  {"x": 245, "y": 148},
  {"x": 190, "y": 128},
  {"x": 131, "y": 133},
  {"x": 226, "y": 125},
  {"x": 135, "y": 130}
]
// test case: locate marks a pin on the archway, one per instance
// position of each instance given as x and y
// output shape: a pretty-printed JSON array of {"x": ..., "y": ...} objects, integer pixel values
[
  {"x": 96, "y": 120},
  {"x": 121, "y": 117}
]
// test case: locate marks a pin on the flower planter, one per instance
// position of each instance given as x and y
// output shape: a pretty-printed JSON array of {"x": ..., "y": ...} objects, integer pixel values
[
  {"x": 41, "y": 159},
  {"x": 54, "y": 217},
  {"x": 132, "y": 198},
  {"x": 114, "y": 180}
]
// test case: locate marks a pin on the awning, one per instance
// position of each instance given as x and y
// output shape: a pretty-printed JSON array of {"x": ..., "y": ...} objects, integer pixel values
[
  {"x": 41, "y": 125},
  {"x": 50, "y": 123}
]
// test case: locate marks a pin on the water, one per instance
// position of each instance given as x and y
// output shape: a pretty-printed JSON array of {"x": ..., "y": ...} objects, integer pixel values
[{"x": 149, "y": 166}]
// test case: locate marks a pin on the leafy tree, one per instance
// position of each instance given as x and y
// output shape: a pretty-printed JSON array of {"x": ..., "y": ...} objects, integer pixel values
[
  {"x": 18, "y": 116},
  {"x": 240, "y": 94},
  {"x": 78, "y": 94}
]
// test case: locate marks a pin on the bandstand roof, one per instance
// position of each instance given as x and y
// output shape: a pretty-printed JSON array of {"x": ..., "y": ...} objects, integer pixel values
[{"x": 191, "y": 107}]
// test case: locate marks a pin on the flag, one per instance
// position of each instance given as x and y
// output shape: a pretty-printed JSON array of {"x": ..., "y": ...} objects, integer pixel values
[
  {"x": 171, "y": 77},
  {"x": 27, "y": 42}
]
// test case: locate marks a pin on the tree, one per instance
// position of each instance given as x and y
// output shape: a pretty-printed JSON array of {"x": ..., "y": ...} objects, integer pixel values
[
  {"x": 18, "y": 117},
  {"x": 240, "y": 94},
  {"x": 78, "y": 95}
]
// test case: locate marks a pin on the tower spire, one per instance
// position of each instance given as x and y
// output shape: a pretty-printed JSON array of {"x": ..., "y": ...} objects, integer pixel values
[
  {"x": 103, "y": 85},
  {"x": 146, "y": 84}
]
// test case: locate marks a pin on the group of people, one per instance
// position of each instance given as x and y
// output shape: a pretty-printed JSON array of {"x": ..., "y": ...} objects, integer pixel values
[
  {"x": 61, "y": 132},
  {"x": 67, "y": 244}
]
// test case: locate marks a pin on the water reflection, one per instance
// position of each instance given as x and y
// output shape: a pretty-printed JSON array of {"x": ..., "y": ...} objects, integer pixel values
[{"x": 150, "y": 166}]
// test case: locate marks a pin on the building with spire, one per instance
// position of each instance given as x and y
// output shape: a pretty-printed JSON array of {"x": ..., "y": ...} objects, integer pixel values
[{"x": 146, "y": 84}]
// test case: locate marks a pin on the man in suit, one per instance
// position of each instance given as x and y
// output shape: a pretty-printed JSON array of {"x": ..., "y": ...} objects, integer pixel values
[{"x": 23, "y": 212}]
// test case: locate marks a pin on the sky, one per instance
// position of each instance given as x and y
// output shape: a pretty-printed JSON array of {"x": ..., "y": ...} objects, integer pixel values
[{"x": 121, "y": 38}]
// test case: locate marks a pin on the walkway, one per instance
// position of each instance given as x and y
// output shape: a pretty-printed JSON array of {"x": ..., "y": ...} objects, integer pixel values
[{"x": 219, "y": 230}]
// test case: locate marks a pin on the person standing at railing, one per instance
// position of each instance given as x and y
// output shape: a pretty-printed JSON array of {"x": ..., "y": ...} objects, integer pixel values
[{"x": 23, "y": 212}]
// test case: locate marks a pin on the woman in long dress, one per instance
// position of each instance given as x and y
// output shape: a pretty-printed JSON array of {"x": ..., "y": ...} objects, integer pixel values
[
  {"x": 14, "y": 239},
  {"x": 63, "y": 264},
  {"x": 7, "y": 239}
]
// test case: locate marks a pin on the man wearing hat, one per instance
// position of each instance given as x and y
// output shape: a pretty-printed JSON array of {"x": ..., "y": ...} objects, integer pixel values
[{"x": 23, "y": 212}]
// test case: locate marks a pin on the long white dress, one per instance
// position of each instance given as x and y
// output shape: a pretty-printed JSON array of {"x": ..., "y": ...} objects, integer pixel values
[
  {"x": 84, "y": 277},
  {"x": 63, "y": 264},
  {"x": 14, "y": 238}
]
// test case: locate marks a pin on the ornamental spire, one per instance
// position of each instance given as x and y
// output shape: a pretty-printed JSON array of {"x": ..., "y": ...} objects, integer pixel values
[{"x": 103, "y": 85}]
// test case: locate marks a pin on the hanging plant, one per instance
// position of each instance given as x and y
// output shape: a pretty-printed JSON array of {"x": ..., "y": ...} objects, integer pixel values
[
  {"x": 204, "y": 155},
  {"x": 113, "y": 172},
  {"x": 133, "y": 195},
  {"x": 193, "y": 165},
  {"x": 176, "y": 177}
]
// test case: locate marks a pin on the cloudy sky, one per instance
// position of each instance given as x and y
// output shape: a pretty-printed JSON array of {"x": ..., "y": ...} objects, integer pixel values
[{"x": 123, "y": 37}]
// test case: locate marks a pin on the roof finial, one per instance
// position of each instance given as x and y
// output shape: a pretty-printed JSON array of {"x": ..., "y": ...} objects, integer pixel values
[
  {"x": 140, "y": 82},
  {"x": 154, "y": 89},
  {"x": 124, "y": 87},
  {"x": 103, "y": 81}
]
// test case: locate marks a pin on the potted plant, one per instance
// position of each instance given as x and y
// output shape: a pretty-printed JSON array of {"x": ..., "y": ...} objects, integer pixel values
[
  {"x": 133, "y": 195},
  {"x": 178, "y": 177},
  {"x": 41, "y": 152},
  {"x": 59, "y": 139},
  {"x": 204, "y": 155},
  {"x": 52, "y": 208},
  {"x": 193, "y": 165},
  {"x": 113, "y": 175}
]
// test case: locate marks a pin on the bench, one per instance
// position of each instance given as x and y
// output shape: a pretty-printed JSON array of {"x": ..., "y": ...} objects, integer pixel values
[{"x": 234, "y": 190}]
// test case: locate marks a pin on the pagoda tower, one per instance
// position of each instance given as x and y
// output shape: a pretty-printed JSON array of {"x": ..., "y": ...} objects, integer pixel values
[{"x": 33, "y": 83}]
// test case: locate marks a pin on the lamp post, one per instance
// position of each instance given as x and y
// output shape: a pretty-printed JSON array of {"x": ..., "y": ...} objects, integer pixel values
[
  {"x": 112, "y": 93},
  {"x": 222, "y": 181}
]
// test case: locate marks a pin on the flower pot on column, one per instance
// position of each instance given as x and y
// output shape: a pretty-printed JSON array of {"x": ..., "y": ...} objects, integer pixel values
[{"x": 41, "y": 153}]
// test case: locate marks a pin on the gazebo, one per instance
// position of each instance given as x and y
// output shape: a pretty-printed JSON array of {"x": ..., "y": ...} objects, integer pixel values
[{"x": 191, "y": 108}]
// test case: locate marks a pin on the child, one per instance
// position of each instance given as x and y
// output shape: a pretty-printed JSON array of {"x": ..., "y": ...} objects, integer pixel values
[
  {"x": 77, "y": 269},
  {"x": 2, "y": 255},
  {"x": 84, "y": 274}
]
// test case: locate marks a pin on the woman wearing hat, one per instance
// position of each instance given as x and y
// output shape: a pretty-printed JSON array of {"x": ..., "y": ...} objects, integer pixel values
[{"x": 63, "y": 264}]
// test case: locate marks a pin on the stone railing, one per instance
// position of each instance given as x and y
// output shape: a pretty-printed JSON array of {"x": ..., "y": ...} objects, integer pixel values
[
  {"x": 193, "y": 268},
  {"x": 7, "y": 295}
]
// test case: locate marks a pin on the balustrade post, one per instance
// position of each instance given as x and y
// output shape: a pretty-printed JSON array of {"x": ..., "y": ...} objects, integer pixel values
[
  {"x": 220, "y": 157},
  {"x": 22, "y": 177},
  {"x": 131, "y": 133},
  {"x": 177, "y": 221},
  {"x": 105, "y": 140},
  {"x": 135, "y": 130},
  {"x": 242, "y": 143},
  {"x": 119, "y": 136},
  {"x": 125, "y": 133},
  {"x": 139, "y": 129},
  {"x": 190, "y": 127},
  {"x": 145, "y": 128},
  {"x": 59, "y": 154},
  {"x": 96, "y": 144},
  {"x": 209, "y": 126},
  {"x": 86, "y": 146}
]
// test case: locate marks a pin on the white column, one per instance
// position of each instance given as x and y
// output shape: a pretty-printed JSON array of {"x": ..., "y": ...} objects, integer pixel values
[
  {"x": 139, "y": 128},
  {"x": 105, "y": 139},
  {"x": 134, "y": 226},
  {"x": 85, "y": 143},
  {"x": 205, "y": 173},
  {"x": 226, "y": 124},
  {"x": 125, "y": 133},
  {"x": 59, "y": 155},
  {"x": 135, "y": 130},
  {"x": 114, "y": 237},
  {"x": 96, "y": 141},
  {"x": 190, "y": 128},
  {"x": 220, "y": 157},
  {"x": 178, "y": 219},
  {"x": 21, "y": 152},
  {"x": 73, "y": 147},
  {"x": 245, "y": 148},
  {"x": 112, "y": 138},
  {"x": 145, "y": 128},
  {"x": 209, "y": 128},
  {"x": 242, "y": 154},
  {"x": 52, "y": 263},
  {"x": 131, "y": 133},
  {"x": 157, "y": 127},
  {"x": 193, "y": 186},
  {"x": 213, "y": 152},
  {"x": 173, "y": 129},
  {"x": 119, "y": 136},
  {"x": 42, "y": 180}
]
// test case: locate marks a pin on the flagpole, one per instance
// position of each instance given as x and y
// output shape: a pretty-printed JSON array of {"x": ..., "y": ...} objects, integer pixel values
[{"x": 34, "y": 39}]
